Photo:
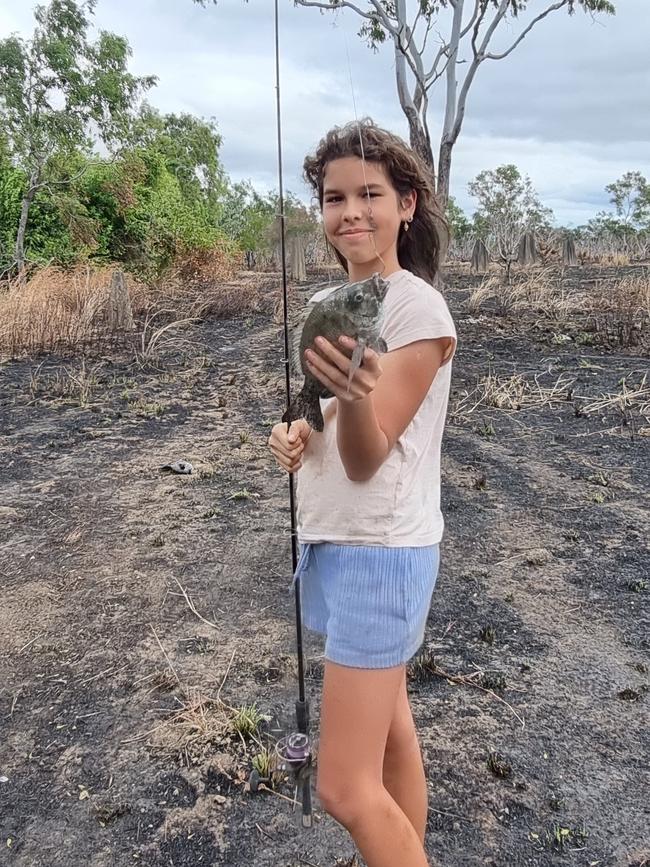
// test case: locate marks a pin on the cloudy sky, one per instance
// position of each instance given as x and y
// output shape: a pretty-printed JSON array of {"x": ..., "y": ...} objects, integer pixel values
[{"x": 570, "y": 106}]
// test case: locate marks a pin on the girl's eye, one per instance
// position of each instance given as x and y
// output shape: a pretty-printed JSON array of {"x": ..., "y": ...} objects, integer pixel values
[{"x": 330, "y": 199}]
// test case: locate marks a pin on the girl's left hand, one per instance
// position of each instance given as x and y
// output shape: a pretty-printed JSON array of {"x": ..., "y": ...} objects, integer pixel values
[{"x": 332, "y": 369}]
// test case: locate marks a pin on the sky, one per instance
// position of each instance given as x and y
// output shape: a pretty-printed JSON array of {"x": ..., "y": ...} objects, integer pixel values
[{"x": 570, "y": 107}]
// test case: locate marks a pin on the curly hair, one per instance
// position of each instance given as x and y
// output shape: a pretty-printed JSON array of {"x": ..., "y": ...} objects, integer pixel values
[{"x": 419, "y": 249}]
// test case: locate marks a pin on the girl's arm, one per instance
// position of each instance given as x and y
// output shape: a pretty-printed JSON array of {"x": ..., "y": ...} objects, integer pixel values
[
  {"x": 367, "y": 429},
  {"x": 384, "y": 396}
]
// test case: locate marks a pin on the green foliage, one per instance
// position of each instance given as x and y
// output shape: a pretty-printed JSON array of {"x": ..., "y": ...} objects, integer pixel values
[
  {"x": 246, "y": 217},
  {"x": 507, "y": 198},
  {"x": 253, "y": 222},
  {"x": 58, "y": 86},
  {"x": 54, "y": 85},
  {"x": 190, "y": 146},
  {"x": 458, "y": 223},
  {"x": 630, "y": 196}
]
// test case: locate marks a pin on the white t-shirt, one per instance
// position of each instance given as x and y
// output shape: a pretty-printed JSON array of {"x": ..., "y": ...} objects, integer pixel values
[{"x": 400, "y": 505}]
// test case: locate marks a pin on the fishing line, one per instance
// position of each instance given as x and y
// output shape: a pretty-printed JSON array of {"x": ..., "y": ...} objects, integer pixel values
[{"x": 363, "y": 155}]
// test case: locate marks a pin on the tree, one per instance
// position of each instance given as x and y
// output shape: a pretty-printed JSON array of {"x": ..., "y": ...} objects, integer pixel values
[
  {"x": 508, "y": 208},
  {"x": 245, "y": 217},
  {"x": 459, "y": 225},
  {"x": 54, "y": 88},
  {"x": 630, "y": 195},
  {"x": 464, "y": 29},
  {"x": 190, "y": 146}
]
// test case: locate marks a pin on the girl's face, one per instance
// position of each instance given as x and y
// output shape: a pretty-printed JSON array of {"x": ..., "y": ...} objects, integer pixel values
[{"x": 363, "y": 224}]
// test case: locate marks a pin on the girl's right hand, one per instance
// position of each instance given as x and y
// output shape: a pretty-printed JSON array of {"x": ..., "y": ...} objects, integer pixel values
[{"x": 288, "y": 446}]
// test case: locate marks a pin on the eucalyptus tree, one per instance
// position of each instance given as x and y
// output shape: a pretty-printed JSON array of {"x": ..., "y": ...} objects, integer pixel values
[
  {"x": 58, "y": 91},
  {"x": 442, "y": 44},
  {"x": 508, "y": 208}
]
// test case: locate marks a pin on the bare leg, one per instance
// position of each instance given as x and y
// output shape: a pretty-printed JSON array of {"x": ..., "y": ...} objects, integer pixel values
[
  {"x": 357, "y": 710},
  {"x": 403, "y": 772}
]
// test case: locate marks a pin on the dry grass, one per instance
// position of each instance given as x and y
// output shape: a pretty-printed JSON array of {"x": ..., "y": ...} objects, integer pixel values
[
  {"x": 618, "y": 260},
  {"x": 620, "y": 312},
  {"x": 614, "y": 313},
  {"x": 541, "y": 291},
  {"x": 57, "y": 309},
  {"x": 515, "y": 393},
  {"x": 509, "y": 394},
  {"x": 90, "y": 309}
]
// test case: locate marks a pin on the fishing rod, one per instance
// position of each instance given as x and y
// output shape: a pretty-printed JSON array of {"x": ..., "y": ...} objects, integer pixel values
[{"x": 295, "y": 749}]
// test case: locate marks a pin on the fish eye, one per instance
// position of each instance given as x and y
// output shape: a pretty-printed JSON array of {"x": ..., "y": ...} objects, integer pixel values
[{"x": 358, "y": 298}]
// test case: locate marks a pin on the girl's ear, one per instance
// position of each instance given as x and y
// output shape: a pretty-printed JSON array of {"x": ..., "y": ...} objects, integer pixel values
[{"x": 408, "y": 203}]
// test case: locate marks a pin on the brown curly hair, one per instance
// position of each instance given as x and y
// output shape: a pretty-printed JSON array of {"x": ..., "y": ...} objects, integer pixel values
[{"x": 419, "y": 249}]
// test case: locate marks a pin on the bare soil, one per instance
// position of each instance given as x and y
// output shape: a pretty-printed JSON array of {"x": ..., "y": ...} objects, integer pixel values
[{"x": 530, "y": 693}]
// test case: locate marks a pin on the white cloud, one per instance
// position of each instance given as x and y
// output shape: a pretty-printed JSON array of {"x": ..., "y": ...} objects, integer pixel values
[{"x": 570, "y": 107}]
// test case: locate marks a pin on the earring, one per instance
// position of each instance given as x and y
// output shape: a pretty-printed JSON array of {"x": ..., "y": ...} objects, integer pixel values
[{"x": 406, "y": 223}]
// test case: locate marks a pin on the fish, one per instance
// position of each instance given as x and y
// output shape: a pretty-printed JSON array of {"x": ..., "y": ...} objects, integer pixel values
[{"x": 355, "y": 310}]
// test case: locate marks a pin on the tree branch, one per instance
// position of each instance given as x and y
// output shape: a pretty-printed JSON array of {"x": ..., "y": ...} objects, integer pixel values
[
  {"x": 552, "y": 8},
  {"x": 343, "y": 3}
]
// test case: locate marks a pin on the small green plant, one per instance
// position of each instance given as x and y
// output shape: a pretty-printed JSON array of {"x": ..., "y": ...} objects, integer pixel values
[
  {"x": 486, "y": 429},
  {"x": 488, "y": 634},
  {"x": 246, "y": 720},
  {"x": 599, "y": 478},
  {"x": 244, "y": 494},
  {"x": 597, "y": 497},
  {"x": 499, "y": 766},
  {"x": 588, "y": 365},
  {"x": 560, "y": 837},
  {"x": 244, "y": 437},
  {"x": 266, "y": 764},
  {"x": 212, "y": 512},
  {"x": 493, "y": 680},
  {"x": 480, "y": 482},
  {"x": 423, "y": 667},
  {"x": 637, "y": 585},
  {"x": 146, "y": 408},
  {"x": 158, "y": 541}
]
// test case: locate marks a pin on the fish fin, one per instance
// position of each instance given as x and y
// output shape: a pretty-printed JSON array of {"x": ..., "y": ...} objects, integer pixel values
[
  {"x": 295, "y": 361},
  {"x": 306, "y": 405},
  {"x": 355, "y": 362}
]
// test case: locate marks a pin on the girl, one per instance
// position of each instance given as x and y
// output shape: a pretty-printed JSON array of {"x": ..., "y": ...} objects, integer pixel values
[{"x": 368, "y": 490}]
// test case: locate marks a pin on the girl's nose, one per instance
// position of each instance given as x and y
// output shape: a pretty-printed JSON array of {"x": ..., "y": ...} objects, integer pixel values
[{"x": 353, "y": 210}]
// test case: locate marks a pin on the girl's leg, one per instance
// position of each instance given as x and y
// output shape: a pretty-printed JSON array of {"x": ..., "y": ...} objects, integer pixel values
[
  {"x": 357, "y": 709},
  {"x": 403, "y": 772}
]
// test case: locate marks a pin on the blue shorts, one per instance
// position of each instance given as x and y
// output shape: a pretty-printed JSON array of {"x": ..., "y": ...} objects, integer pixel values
[{"x": 371, "y": 602}]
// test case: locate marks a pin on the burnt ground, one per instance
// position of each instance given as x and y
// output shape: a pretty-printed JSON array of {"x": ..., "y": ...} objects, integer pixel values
[{"x": 113, "y": 750}]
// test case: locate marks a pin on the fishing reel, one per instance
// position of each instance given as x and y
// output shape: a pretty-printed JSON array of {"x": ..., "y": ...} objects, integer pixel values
[{"x": 294, "y": 754}]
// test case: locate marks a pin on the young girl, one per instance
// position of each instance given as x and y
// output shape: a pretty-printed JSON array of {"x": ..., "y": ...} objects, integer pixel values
[{"x": 368, "y": 490}]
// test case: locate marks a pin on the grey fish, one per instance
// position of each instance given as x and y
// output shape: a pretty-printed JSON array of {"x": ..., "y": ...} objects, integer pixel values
[{"x": 356, "y": 310}]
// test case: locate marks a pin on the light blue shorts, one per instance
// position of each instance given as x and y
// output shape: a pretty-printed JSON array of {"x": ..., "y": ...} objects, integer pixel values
[{"x": 371, "y": 602}]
